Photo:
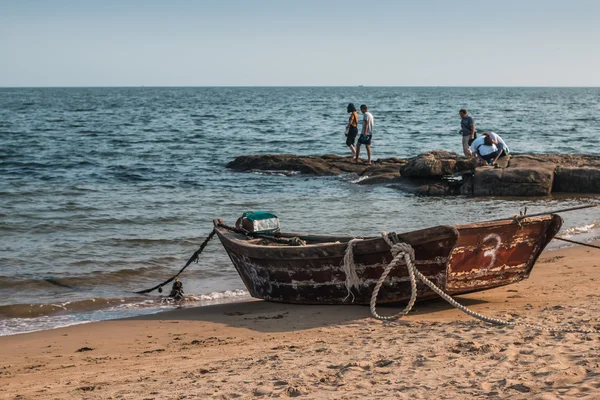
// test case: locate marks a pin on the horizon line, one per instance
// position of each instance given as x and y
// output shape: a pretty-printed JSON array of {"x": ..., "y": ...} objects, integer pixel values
[{"x": 289, "y": 86}]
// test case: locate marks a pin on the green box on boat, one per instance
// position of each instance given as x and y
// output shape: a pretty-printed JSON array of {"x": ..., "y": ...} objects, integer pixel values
[{"x": 258, "y": 222}]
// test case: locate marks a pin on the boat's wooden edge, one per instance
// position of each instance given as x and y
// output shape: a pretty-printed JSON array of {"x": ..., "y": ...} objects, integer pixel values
[
  {"x": 337, "y": 237},
  {"x": 505, "y": 221},
  {"x": 551, "y": 231}
]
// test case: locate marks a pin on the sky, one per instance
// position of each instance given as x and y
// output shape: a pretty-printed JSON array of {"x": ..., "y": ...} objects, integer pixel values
[{"x": 299, "y": 43}]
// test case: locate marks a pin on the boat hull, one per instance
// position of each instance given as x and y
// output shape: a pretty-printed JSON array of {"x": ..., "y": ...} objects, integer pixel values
[{"x": 460, "y": 259}]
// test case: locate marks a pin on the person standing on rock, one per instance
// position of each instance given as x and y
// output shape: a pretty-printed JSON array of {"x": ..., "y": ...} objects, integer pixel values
[
  {"x": 366, "y": 133},
  {"x": 352, "y": 128},
  {"x": 467, "y": 130}
]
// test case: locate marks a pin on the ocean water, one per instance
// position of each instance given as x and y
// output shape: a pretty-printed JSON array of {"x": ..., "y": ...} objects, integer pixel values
[{"x": 110, "y": 190}]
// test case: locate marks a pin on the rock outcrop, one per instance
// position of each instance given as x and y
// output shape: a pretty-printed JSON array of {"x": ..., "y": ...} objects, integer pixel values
[
  {"x": 436, "y": 164},
  {"x": 524, "y": 176},
  {"x": 441, "y": 172},
  {"x": 577, "y": 179},
  {"x": 383, "y": 170}
]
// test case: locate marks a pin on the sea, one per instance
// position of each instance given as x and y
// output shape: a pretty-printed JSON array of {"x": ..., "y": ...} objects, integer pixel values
[{"x": 108, "y": 191}]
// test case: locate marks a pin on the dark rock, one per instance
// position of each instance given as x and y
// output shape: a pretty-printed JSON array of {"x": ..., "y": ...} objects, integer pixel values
[
  {"x": 284, "y": 162},
  {"x": 577, "y": 179},
  {"x": 434, "y": 189},
  {"x": 326, "y": 165},
  {"x": 436, "y": 164},
  {"x": 524, "y": 176},
  {"x": 379, "y": 179}
]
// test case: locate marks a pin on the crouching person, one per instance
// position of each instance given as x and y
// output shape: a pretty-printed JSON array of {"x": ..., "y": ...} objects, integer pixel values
[
  {"x": 484, "y": 150},
  {"x": 503, "y": 150}
]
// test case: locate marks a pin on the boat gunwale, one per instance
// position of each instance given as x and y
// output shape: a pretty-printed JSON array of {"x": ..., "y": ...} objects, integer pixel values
[{"x": 242, "y": 240}]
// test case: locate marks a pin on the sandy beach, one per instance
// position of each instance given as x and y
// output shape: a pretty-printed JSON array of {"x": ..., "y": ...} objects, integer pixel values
[{"x": 258, "y": 349}]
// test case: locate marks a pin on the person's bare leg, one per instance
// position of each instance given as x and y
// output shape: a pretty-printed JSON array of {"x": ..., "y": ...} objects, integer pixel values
[
  {"x": 368, "y": 147},
  {"x": 353, "y": 150},
  {"x": 357, "y": 152}
]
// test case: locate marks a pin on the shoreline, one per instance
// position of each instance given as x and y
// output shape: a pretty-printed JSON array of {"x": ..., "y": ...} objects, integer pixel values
[
  {"x": 261, "y": 349},
  {"x": 160, "y": 308}
]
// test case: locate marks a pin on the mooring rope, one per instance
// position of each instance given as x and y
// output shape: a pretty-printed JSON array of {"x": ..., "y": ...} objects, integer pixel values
[
  {"x": 405, "y": 251},
  {"x": 576, "y": 242},
  {"x": 523, "y": 216},
  {"x": 193, "y": 258},
  {"x": 295, "y": 241}
]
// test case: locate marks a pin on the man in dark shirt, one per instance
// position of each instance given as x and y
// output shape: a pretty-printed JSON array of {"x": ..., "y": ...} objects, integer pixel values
[{"x": 467, "y": 130}]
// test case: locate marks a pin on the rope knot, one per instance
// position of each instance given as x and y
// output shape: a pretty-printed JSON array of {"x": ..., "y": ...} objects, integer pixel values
[{"x": 398, "y": 248}]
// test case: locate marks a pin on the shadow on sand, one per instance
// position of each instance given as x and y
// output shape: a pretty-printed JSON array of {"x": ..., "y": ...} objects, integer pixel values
[{"x": 264, "y": 316}]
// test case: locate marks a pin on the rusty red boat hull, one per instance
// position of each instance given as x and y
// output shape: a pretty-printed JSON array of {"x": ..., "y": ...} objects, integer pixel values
[{"x": 459, "y": 259}]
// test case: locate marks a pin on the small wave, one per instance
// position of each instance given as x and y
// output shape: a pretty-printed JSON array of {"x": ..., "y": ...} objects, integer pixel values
[
  {"x": 73, "y": 313},
  {"x": 276, "y": 172},
  {"x": 131, "y": 177},
  {"x": 156, "y": 242},
  {"x": 93, "y": 279},
  {"x": 578, "y": 230},
  {"x": 38, "y": 310},
  {"x": 362, "y": 178},
  {"x": 227, "y": 294}
]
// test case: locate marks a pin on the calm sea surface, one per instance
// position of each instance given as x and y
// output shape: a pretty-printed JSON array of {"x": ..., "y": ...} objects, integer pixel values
[{"x": 110, "y": 190}]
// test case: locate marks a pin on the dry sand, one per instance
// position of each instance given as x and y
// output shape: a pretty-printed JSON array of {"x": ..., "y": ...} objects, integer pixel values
[{"x": 257, "y": 349}]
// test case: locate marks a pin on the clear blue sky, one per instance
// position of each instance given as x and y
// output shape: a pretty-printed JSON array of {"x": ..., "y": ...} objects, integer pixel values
[{"x": 299, "y": 42}]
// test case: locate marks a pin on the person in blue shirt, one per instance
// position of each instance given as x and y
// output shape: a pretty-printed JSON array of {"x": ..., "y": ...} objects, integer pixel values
[{"x": 467, "y": 130}]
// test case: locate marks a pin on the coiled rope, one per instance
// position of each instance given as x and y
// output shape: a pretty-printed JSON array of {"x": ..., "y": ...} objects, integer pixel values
[{"x": 406, "y": 252}]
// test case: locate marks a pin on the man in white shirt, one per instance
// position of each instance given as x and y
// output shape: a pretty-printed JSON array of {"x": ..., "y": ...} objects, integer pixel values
[
  {"x": 366, "y": 133},
  {"x": 484, "y": 149},
  {"x": 499, "y": 142}
]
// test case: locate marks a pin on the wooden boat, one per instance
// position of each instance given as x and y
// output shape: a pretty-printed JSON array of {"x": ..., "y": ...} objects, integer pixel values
[{"x": 459, "y": 259}]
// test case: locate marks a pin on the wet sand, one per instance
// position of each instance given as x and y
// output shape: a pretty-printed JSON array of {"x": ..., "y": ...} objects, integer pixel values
[{"x": 257, "y": 349}]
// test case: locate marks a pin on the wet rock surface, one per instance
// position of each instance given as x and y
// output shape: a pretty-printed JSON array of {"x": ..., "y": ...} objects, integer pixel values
[
  {"x": 441, "y": 172},
  {"x": 524, "y": 176},
  {"x": 436, "y": 164},
  {"x": 326, "y": 165}
]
